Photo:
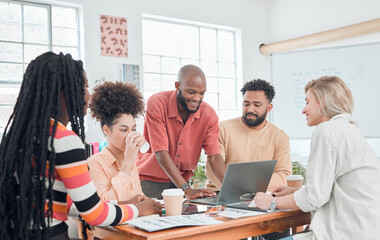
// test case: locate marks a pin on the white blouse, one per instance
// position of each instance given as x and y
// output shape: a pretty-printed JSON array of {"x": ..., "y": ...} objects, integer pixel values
[{"x": 343, "y": 183}]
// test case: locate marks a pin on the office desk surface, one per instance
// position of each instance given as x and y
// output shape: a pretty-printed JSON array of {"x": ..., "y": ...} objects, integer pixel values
[{"x": 230, "y": 229}]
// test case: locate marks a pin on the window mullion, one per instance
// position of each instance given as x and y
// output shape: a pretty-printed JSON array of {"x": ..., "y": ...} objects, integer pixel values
[
  {"x": 50, "y": 29},
  {"x": 235, "y": 60},
  {"x": 78, "y": 35},
  {"x": 199, "y": 45},
  {"x": 23, "y": 37},
  {"x": 217, "y": 69},
  {"x": 161, "y": 85}
]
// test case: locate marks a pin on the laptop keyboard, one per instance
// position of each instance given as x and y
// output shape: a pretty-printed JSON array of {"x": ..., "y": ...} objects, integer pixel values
[
  {"x": 210, "y": 200},
  {"x": 205, "y": 200}
]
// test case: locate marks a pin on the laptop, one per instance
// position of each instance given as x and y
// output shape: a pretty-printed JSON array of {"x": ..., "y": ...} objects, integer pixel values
[{"x": 240, "y": 179}]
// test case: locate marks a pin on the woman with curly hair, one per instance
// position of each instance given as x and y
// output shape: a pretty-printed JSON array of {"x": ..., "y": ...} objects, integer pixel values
[{"x": 113, "y": 170}]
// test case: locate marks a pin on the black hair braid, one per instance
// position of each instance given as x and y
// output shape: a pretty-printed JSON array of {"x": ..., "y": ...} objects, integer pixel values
[
  {"x": 74, "y": 99},
  {"x": 27, "y": 155}
]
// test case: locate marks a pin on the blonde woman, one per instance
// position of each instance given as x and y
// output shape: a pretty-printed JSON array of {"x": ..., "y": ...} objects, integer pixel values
[{"x": 343, "y": 173}]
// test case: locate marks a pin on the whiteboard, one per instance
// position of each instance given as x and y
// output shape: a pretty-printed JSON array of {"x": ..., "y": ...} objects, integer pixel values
[{"x": 357, "y": 65}]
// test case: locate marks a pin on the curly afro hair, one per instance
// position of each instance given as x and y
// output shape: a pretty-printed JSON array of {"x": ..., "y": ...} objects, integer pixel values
[
  {"x": 260, "y": 85},
  {"x": 109, "y": 100}
]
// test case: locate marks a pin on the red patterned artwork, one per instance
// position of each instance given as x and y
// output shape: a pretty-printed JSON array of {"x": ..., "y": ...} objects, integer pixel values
[{"x": 113, "y": 36}]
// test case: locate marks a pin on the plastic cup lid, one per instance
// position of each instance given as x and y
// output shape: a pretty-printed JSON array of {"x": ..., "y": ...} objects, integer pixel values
[
  {"x": 173, "y": 192},
  {"x": 294, "y": 177}
]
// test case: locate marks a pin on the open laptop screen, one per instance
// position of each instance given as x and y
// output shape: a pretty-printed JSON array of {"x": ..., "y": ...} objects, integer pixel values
[{"x": 241, "y": 178}]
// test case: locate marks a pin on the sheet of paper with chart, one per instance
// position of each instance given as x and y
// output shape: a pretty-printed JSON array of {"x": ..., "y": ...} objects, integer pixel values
[{"x": 161, "y": 223}]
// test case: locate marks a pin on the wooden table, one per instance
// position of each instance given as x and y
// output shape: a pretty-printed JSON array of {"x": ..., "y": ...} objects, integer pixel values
[{"x": 230, "y": 229}]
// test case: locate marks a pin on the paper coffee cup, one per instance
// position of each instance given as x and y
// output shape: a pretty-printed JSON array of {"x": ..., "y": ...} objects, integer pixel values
[
  {"x": 294, "y": 181},
  {"x": 173, "y": 199},
  {"x": 144, "y": 147}
]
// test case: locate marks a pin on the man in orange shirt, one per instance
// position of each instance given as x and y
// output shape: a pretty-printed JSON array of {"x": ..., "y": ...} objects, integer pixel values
[
  {"x": 177, "y": 126},
  {"x": 252, "y": 138}
]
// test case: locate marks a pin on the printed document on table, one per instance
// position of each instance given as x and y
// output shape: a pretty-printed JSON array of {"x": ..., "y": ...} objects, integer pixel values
[
  {"x": 161, "y": 223},
  {"x": 238, "y": 213}
]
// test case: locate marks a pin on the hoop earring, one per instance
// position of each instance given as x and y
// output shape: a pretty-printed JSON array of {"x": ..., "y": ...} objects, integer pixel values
[{"x": 319, "y": 111}]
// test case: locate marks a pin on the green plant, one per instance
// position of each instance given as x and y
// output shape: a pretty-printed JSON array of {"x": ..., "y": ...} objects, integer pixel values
[
  {"x": 200, "y": 173},
  {"x": 298, "y": 169},
  {"x": 199, "y": 178}
]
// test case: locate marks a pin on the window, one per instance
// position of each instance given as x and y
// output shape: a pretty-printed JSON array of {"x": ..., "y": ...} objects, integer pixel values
[
  {"x": 170, "y": 44},
  {"x": 26, "y": 31},
  {"x": 130, "y": 73}
]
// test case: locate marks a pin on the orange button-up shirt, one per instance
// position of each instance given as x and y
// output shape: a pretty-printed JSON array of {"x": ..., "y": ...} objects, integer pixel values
[
  {"x": 165, "y": 131},
  {"x": 111, "y": 182}
]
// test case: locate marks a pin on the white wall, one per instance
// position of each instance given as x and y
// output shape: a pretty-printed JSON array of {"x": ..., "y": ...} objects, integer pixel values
[
  {"x": 294, "y": 18},
  {"x": 260, "y": 21},
  {"x": 248, "y": 15}
]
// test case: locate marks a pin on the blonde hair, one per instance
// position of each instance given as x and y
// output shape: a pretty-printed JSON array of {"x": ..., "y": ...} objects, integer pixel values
[{"x": 332, "y": 94}]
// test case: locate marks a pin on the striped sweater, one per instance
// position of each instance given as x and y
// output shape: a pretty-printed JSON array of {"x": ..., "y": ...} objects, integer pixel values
[{"x": 72, "y": 177}]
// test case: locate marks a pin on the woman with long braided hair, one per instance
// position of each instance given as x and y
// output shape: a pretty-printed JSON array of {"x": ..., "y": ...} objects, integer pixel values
[{"x": 41, "y": 160}]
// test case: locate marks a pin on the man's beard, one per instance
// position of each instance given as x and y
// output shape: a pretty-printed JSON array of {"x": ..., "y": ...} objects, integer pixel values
[
  {"x": 183, "y": 103},
  {"x": 254, "y": 123}
]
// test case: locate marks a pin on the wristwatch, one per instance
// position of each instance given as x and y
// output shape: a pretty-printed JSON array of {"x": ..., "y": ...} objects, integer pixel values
[
  {"x": 273, "y": 205},
  {"x": 185, "y": 186}
]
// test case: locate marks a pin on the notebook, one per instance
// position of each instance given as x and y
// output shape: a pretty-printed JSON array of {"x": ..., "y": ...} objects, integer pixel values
[{"x": 239, "y": 179}]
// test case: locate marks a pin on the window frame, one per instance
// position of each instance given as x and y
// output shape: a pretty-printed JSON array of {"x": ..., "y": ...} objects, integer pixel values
[
  {"x": 236, "y": 62},
  {"x": 50, "y": 46}
]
